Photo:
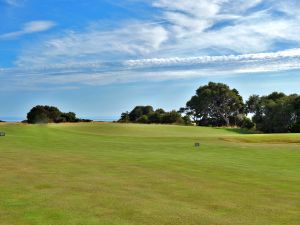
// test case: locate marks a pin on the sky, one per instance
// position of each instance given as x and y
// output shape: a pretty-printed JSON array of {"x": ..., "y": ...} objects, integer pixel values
[{"x": 99, "y": 58}]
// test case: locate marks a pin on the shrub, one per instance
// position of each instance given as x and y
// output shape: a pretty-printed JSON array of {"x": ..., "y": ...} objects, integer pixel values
[
  {"x": 247, "y": 123},
  {"x": 50, "y": 114},
  {"x": 143, "y": 119}
]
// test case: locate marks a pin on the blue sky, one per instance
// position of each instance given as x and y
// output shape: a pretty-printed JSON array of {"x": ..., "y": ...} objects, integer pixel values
[{"x": 101, "y": 57}]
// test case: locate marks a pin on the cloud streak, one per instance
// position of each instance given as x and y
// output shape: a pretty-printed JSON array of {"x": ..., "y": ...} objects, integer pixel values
[
  {"x": 202, "y": 60},
  {"x": 184, "y": 39},
  {"x": 68, "y": 75},
  {"x": 29, "y": 28},
  {"x": 14, "y": 2}
]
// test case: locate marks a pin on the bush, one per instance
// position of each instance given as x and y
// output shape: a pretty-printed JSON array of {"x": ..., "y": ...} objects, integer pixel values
[
  {"x": 143, "y": 119},
  {"x": 187, "y": 120},
  {"x": 49, "y": 114},
  {"x": 247, "y": 123},
  {"x": 155, "y": 117},
  {"x": 172, "y": 118},
  {"x": 296, "y": 127},
  {"x": 146, "y": 114}
]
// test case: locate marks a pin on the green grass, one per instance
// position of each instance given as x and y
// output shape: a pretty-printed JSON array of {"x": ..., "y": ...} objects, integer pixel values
[{"x": 112, "y": 174}]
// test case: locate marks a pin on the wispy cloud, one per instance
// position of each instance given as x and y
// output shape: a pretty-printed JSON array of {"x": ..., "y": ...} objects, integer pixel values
[
  {"x": 184, "y": 39},
  {"x": 66, "y": 75},
  {"x": 227, "y": 25},
  {"x": 14, "y": 2},
  {"x": 202, "y": 60},
  {"x": 127, "y": 40},
  {"x": 29, "y": 28}
]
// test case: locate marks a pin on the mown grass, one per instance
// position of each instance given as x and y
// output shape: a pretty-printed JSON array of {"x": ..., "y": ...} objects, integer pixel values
[{"x": 120, "y": 174}]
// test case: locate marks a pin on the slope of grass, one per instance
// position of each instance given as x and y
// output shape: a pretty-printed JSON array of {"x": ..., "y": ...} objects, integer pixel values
[{"x": 120, "y": 174}]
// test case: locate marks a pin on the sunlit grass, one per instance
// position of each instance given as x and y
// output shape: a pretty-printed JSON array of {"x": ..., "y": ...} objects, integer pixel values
[{"x": 147, "y": 174}]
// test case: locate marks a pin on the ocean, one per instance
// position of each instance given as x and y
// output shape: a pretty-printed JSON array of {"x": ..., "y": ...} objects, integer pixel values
[{"x": 19, "y": 119}]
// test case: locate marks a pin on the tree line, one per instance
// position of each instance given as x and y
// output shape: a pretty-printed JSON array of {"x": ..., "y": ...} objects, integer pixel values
[
  {"x": 216, "y": 104},
  {"x": 50, "y": 114},
  {"x": 146, "y": 114}
]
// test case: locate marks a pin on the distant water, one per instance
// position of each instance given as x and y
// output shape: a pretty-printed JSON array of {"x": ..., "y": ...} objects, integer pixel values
[
  {"x": 105, "y": 118},
  {"x": 19, "y": 119},
  {"x": 11, "y": 119}
]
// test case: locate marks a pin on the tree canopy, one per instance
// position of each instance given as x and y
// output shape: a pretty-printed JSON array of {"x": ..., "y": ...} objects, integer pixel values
[
  {"x": 146, "y": 114},
  {"x": 50, "y": 114},
  {"x": 215, "y": 104},
  {"x": 275, "y": 113}
]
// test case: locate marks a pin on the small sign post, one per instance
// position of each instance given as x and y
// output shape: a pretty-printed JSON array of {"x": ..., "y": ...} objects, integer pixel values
[{"x": 197, "y": 145}]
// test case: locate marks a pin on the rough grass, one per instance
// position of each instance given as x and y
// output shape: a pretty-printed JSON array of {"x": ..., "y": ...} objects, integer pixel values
[
  {"x": 267, "y": 138},
  {"x": 118, "y": 174}
]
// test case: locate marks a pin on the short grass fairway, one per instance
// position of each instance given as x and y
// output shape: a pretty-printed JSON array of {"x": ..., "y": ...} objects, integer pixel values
[{"x": 112, "y": 174}]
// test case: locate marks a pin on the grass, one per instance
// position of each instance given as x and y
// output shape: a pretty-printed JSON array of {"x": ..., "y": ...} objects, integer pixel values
[{"x": 114, "y": 174}]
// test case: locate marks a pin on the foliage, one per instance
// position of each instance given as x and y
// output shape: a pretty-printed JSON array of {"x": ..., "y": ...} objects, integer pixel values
[
  {"x": 172, "y": 118},
  {"x": 215, "y": 104},
  {"x": 275, "y": 113},
  {"x": 247, "y": 123},
  {"x": 125, "y": 117},
  {"x": 146, "y": 114},
  {"x": 49, "y": 114},
  {"x": 143, "y": 119},
  {"x": 139, "y": 111}
]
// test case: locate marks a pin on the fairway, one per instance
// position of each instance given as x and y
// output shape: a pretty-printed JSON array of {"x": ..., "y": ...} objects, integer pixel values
[{"x": 127, "y": 174}]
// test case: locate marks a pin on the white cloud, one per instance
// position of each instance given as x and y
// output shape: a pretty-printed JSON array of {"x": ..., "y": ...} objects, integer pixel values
[
  {"x": 185, "y": 39},
  {"x": 28, "y": 28},
  {"x": 66, "y": 75},
  {"x": 287, "y": 54},
  {"x": 194, "y": 25},
  {"x": 189, "y": 28},
  {"x": 129, "y": 40}
]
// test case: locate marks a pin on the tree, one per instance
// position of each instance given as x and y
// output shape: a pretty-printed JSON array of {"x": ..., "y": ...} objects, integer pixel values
[
  {"x": 143, "y": 119},
  {"x": 214, "y": 104},
  {"x": 50, "y": 114},
  {"x": 296, "y": 126},
  {"x": 124, "y": 118},
  {"x": 69, "y": 117},
  {"x": 53, "y": 114},
  {"x": 247, "y": 123},
  {"x": 146, "y": 114},
  {"x": 172, "y": 118},
  {"x": 155, "y": 117},
  {"x": 38, "y": 115},
  {"x": 275, "y": 113},
  {"x": 160, "y": 111},
  {"x": 139, "y": 111}
]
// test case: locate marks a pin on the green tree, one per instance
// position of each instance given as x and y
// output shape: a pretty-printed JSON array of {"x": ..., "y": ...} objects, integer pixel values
[
  {"x": 275, "y": 113},
  {"x": 139, "y": 111},
  {"x": 69, "y": 117},
  {"x": 124, "y": 117},
  {"x": 38, "y": 115},
  {"x": 50, "y": 114},
  {"x": 146, "y": 114},
  {"x": 143, "y": 119},
  {"x": 214, "y": 104},
  {"x": 172, "y": 117},
  {"x": 155, "y": 117},
  {"x": 296, "y": 126}
]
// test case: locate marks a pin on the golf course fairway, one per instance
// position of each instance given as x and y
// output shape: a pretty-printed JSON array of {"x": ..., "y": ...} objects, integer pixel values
[{"x": 129, "y": 174}]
